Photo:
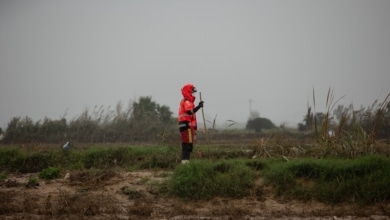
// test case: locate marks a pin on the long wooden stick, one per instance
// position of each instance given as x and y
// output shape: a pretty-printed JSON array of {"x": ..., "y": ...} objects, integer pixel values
[{"x": 204, "y": 120}]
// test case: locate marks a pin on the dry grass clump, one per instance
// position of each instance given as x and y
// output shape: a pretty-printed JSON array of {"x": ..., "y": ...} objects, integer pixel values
[
  {"x": 83, "y": 204},
  {"x": 132, "y": 193},
  {"x": 338, "y": 132},
  {"x": 92, "y": 179}
]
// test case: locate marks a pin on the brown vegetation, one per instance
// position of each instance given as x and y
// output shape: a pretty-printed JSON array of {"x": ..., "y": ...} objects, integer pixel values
[{"x": 116, "y": 194}]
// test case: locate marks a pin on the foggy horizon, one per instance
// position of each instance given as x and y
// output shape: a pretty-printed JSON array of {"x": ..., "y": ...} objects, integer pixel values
[{"x": 63, "y": 57}]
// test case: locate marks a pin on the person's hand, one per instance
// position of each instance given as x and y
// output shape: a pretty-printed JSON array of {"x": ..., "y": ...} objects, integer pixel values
[{"x": 200, "y": 105}]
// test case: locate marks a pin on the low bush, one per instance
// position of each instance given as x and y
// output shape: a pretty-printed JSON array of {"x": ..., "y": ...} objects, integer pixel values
[
  {"x": 204, "y": 179},
  {"x": 363, "y": 180},
  {"x": 50, "y": 173}
]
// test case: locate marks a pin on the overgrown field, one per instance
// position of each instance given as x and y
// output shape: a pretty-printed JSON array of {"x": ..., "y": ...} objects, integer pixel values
[{"x": 229, "y": 171}]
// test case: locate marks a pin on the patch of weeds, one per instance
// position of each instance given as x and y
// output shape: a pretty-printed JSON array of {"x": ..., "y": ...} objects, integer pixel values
[
  {"x": 3, "y": 176},
  {"x": 32, "y": 182},
  {"x": 281, "y": 179},
  {"x": 91, "y": 179},
  {"x": 50, "y": 173},
  {"x": 144, "y": 180},
  {"x": 163, "y": 174},
  {"x": 132, "y": 193},
  {"x": 205, "y": 179},
  {"x": 77, "y": 165},
  {"x": 30, "y": 163},
  {"x": 256, "y": 164},
  {"x": 158, "y": 187},
  {"x": 363, "y": 180},
  {"x": 11, "y": 183}
]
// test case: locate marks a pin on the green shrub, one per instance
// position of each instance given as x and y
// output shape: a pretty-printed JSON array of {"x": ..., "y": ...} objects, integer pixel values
[
  {"x": 78, "y": 165},
  {"x": 204, "y": 179},
  {"x": 30, "y": 163},
  {"x": 96, "y": 158},
  {"x": 6, "y": 157},
  {"x": 50, "y": 173},
  {"x": 364, "y": 180}
]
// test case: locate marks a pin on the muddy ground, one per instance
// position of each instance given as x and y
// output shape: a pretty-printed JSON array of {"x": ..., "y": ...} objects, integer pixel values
[{"x": 142, "y": 195}]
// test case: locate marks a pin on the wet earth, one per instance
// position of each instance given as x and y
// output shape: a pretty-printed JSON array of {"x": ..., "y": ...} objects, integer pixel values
[{"x": 142, "y": 195}]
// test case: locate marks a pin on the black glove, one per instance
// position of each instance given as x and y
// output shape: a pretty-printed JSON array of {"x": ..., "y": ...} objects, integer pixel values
[{"x": 200, "y": 105}]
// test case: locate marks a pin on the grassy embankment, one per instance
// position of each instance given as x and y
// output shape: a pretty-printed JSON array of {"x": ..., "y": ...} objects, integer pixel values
[{"x": 231, "y": 172}]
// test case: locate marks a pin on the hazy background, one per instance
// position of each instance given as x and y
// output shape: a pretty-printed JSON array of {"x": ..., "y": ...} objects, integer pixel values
[{"x": 61, "y": 57}]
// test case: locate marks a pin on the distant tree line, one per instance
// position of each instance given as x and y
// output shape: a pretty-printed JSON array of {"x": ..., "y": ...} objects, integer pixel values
[{"x": 143, "y": 120}]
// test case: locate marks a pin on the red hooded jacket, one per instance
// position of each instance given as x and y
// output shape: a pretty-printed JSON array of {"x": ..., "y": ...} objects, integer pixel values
[{"x": 186, "y": 105}]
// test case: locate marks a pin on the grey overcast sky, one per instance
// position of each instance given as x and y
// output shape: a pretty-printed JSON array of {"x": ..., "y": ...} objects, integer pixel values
[{"x": 61, "y": 57}]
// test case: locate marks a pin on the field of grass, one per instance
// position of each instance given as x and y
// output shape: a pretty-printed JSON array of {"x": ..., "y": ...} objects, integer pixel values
[
  {"x": 240, "y": 173},
  {"x": 222, "y": 171}
]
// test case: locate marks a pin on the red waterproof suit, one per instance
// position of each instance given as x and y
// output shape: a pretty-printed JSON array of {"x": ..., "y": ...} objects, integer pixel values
[
  {"x": 187, "y": 120},
  {"x": 187, "y": 116}
]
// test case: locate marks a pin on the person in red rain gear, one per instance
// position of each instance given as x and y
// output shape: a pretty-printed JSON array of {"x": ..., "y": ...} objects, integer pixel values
[{"x": 187, "y": 121}]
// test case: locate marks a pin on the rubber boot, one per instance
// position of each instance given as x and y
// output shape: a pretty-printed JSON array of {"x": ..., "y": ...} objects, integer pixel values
[{"x": 185, "y": 153}]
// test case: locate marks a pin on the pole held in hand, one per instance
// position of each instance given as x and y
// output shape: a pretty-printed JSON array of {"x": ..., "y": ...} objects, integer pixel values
[{"x": 204, "y": 120}]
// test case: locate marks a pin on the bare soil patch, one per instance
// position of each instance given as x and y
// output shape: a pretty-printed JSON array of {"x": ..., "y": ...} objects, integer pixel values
[{"x": 117, "y": 194}]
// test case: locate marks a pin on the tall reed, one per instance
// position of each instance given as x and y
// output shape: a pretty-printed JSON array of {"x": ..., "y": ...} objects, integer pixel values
[{"x": 355, "y": 132}]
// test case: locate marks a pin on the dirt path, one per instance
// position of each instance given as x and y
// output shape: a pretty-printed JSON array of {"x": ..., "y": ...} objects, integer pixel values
[{"x": 141, "y": 195}]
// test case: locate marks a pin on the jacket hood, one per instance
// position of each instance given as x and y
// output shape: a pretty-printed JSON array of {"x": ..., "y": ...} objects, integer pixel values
[{"x": 187, "y": 92}]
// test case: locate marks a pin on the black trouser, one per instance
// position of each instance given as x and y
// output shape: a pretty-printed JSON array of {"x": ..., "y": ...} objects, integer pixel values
[{"x": 186, "y": 149}]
